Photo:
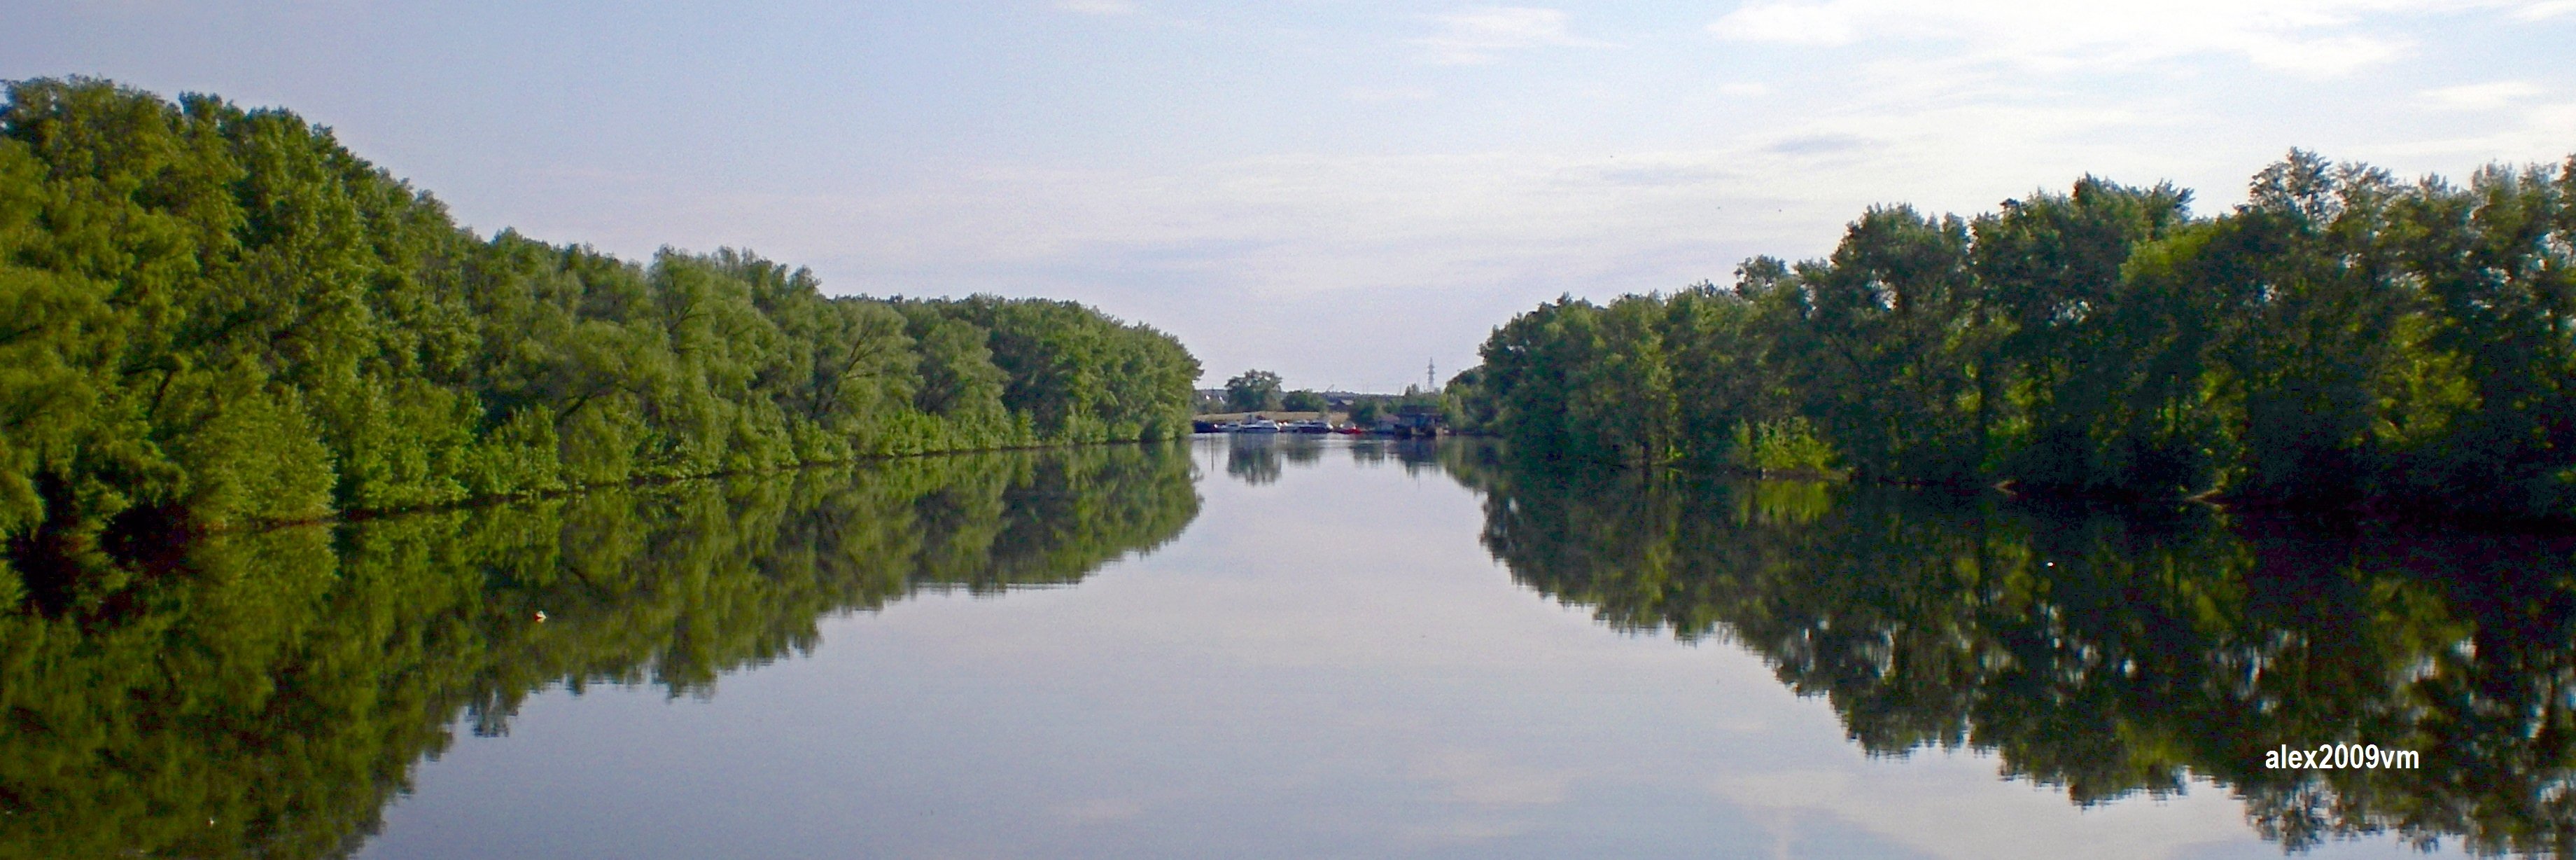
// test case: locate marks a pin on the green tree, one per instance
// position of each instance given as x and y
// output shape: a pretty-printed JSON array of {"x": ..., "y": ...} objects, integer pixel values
[
  {"x": 2082, "y": 353},
  {"x": 1252, "y": 391},
  {"x": 1366, "y": 411}
]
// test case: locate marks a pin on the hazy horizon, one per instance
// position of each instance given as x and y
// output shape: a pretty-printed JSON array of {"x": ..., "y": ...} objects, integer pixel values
[{"x": 1335, "y": 191}]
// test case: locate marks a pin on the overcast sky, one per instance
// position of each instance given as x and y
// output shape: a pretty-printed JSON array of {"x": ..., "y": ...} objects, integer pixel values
[{"x": 1338, "y": 191}]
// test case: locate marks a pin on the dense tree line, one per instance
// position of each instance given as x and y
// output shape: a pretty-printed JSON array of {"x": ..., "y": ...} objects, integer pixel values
[
  {"x": 2343, "y": 337},
  {"x": 2109, "y": 656},
  {"x": 211, "y": 315},
  {"x": 264, "y": 693}
]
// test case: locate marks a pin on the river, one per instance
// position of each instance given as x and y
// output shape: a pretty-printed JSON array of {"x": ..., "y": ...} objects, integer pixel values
[{"x": 1292, "y": 647}]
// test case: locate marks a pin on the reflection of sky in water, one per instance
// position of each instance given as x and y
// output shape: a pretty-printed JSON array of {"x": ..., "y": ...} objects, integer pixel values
[{"x": 1326, "y": 664}]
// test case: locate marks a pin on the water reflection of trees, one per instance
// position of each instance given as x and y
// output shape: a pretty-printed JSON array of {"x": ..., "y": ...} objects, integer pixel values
[
  {"x": 1301, "y": 449},
  {"x": 2110, "y": 655},
  {"x": 265, "y": 694},
  {"x": 1414, "y": 454},
  {"x": 1253, "y": 458},
  {"x": 1262, "y": 458}
]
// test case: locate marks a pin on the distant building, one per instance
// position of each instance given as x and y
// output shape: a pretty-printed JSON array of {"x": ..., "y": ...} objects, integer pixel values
[{"x": 1415, "y": 419}]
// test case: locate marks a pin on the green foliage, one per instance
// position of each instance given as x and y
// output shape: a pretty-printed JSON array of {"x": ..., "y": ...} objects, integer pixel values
[
  {"x": 1302, "y": 400},
  {"x": 1366, "y": 411},
  {"x": 1253, "y": 391},
  {"x": 1788, "y": 445},
  {"x": 2342, "y": 339},
  {"x": 1464, "y": 404},
  {"x": 266, "y": 693},
  {"x": 1075, "y": 375},
  {"x": 219, "y": 316}
]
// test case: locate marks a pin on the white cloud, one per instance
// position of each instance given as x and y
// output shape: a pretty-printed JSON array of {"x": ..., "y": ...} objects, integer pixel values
[
  {"x": 1097, "y": 7},
  {"x": 1483, "y": 778},
  {"x": 1479, "y": 35},
  {"x": 1935, "y": 803},
  {"x": 1099, "y": 810},
  {"x": 2527, "y": 130},
  {"x": 1389, "y": 94},
  {"x": 2492, "y": 95},
  {"x": 1789, "y": 23},
  {"x": 2317, "y": 38},
  {"x": 1745, "y": 89}
]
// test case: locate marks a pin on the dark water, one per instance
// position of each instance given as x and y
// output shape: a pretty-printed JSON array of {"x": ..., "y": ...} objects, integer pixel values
[{"x": 1290, "y": 647}]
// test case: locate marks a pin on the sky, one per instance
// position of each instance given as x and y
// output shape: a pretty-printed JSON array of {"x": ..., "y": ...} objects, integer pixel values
[{"x": 1339, "y": 192}]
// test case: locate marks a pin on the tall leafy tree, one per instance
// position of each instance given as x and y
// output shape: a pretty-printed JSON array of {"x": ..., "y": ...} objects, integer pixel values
[{"x": 1253, "y": 390}]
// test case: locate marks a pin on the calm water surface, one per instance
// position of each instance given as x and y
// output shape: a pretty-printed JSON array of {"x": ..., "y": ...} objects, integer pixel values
[{"x": 1294, "y": 647}]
